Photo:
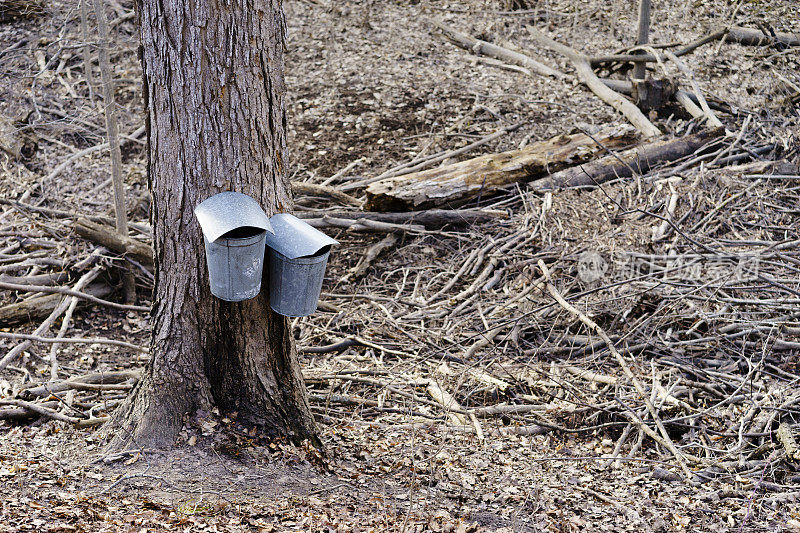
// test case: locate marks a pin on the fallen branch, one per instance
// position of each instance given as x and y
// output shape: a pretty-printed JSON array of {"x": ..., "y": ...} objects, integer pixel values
[
  {"x": 323, "y": 190},
  {"x": 477, "y": 46},
  {"x": 414, "y": 166},
  {"x": 41, "y": 306},
  {"x": 585, "y": 73},
  {"x": 650, "y": 58},
  {"x": 60, "y": 308},
  {"x": 372, "y": 253},
  {"x": 430, "y": 218},
  {"x": 70, "y": 292},
  {"x": 111, "y": 239},
  {"x": 711, "y": 118},
  {"x": 72, "y": 340},
  {"x": 365, "y": 225},
  {"x": 100, "y": 378},
  {"x": 624, "y": 164},
  {"x": 785, "y": 437},
  {"x": 753, "y": 37},
  {"x": 461, "y": 182},
  {"x": 39, "y": 409}
]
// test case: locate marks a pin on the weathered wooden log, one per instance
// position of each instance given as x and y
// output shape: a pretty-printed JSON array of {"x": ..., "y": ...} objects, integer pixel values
[
  {"x": 108, "y": 237},
  {"x": 430, "y": 218},
  {"x": 41, "y": 306},
  {"x": 754, "y": 37},
  {"x": 455, "y": 184},
  {"x": 624, "y": 164}
]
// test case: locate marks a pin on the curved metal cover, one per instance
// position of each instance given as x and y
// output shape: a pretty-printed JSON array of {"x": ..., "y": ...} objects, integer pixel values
[
  {"x": 295, "y": 238},
  {"x": 228, "y": 211}
]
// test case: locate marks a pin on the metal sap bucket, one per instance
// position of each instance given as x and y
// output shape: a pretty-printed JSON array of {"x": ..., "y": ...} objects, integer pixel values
[
  {"x": 297, "y": 259},
  {"x": 234, "y": 229}
]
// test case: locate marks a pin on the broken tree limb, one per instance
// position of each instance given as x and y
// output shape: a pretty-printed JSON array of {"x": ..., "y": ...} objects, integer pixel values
[
  {"x": 456, "y": 184},
  {"x": 373, "y": 252},
  {"x": 650, "y": 58},
  {"x": 323, "y": 190},
  {"x": 624, "y": 164},
  {"x": 41, "y": 306},
  {"x": 60, "y": 213},
  {"x": 50, "y": 320},
  {"x": 430, "y": 218},
  {"x": 71, "y": 292},
  {"x": 587, "y": 76},
  {"x": 478, "y": 46},
  {"x": 711, "y": 118},
  {"x": 753, "y": 37},
  {"x": 363, "y": 225},
  {"x": 108, "y": 237}
]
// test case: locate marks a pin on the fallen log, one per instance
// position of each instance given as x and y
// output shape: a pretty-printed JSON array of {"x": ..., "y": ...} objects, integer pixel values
[
  {"x": 624, "y": 164},
  {"x": 107, "y": 236},
  {"x": 456, "y": 184},
  {"x": 430, "y": 218},
  {"x": 41, "y": 306},
  {"x": 754, "y": 37}
]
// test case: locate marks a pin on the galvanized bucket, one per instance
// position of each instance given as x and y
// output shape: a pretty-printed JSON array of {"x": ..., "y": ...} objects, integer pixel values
[
  {"x": 234, "y": 229},
  {"x": 295, "y": 284},
  {"x": 235, "y": 265},
  {"x": 297, "y": 259}
]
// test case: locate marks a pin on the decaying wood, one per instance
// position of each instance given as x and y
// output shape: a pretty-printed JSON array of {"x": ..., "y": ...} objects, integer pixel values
[
  {"x": 323, "y": 190},
  {"x": 753, "y": 37},
  {"x": 478, "y": 46},
  {"x": 587, "y": 76},
  {"x": 430, "y": 218},
  {"x": 455, "y": 184},
  {"x": 787, "y": 440},
  {"x": 40, "y": 306},
  {"x": 624, "y": 164},
  {"x": 652, "y": 94},
  {"x": 108, "y": 237}
]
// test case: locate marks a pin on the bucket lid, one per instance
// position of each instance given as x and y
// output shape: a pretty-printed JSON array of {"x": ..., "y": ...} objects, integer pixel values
[
  {"x": 295, "y": 238},
  {"x": 228, "y": 211}
]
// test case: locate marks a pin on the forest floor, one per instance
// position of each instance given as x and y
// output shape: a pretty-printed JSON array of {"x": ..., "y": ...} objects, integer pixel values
[{"x": 543, "y": 436}]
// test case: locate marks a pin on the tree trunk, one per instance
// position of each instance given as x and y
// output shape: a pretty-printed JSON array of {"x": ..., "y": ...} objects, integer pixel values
[{"x": 214, "y": 94}]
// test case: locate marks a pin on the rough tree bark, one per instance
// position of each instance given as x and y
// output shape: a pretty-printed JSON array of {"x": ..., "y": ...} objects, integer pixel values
[{"x": 214, "y": 94}]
